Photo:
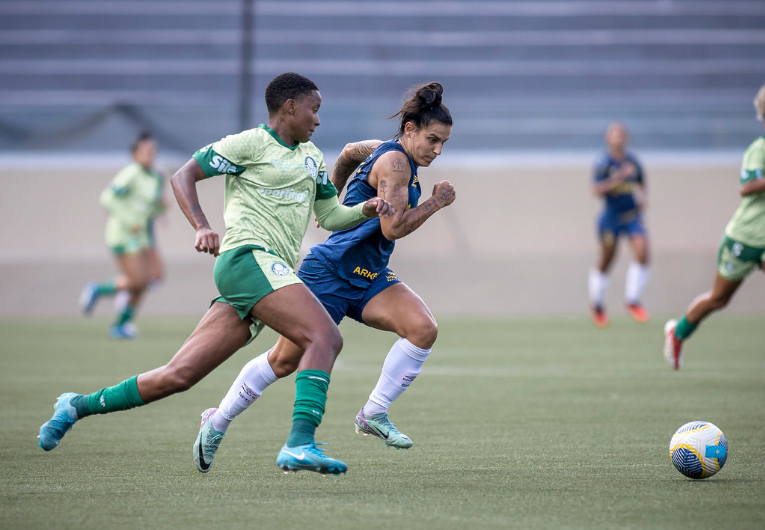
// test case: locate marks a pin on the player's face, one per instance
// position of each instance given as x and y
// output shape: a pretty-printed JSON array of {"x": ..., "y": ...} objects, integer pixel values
[
  {"x": 616, "y": 138},
  {"x": 145, "y": 153},
  {"x": 427, "y": 142},
  {"x": 306, "y": 116}
]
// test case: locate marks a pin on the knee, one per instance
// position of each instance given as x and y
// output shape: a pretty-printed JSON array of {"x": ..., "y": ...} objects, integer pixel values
[
  {"x": 283, "y": 365},
  {"x": 330, "y": 340},
  {"x": 137, "y": 285},
  {"x": 423, "y": 333}
]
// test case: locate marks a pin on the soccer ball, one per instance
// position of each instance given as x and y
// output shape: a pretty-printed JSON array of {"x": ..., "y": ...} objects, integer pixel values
[{"x": 698, "y": 449}]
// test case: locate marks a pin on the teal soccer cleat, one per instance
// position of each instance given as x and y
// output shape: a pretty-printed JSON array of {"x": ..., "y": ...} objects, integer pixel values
[
  {"x": 308, "y": 457},
  {"x": 88, "y": 298},
  {"x": 207, "y": 442},
  {"x": 383, "y": 428},
  {"x": 124, "y": 331},
  {"x": 54, "y": 429}
]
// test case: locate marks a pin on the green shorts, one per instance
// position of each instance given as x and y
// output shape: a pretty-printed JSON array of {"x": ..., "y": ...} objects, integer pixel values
[
  {"x": 246, "y": 274},
  {"x": 735, "y": 261}
]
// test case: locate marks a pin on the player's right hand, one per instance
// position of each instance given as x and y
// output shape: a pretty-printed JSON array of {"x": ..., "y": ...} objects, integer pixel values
[
  {"x": 207, "y": 241},
  {"x": 444, "y": 193}
]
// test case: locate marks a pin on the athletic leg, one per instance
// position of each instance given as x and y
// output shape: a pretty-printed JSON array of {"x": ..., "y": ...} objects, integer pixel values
[
  {"x": 134, "y": 279},
  {"x": 676, "y": 332},
  {"x": 296, "y": 314},
  {"x": 400, "y": 310},
  {"x": 156, "y": 275},
  {"x": 598, "y": 278},
  {"x": 217, "y": 337},
  {"x": 637, "y": 277}
]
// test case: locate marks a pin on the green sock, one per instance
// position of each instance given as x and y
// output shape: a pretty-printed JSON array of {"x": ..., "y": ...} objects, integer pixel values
[
  {"x": 123, "y": 396},
  {"x": 106, "y": 288},
  {"x": 126, "y": 315},
  {"x": 310, "y": 398},
  {"x": 684, "y": 329}
]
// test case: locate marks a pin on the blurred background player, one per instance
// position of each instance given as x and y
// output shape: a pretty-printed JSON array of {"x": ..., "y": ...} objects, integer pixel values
[
  {"x": 742, "y": 249},
  {"x": 349, "y": 274},
  {"x": 620, "y": 181},
  {"x": 133, "y": 200}
]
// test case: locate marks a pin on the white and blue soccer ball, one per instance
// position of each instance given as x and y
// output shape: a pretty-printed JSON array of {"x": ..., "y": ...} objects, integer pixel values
[{"x": 698, "y": 449}]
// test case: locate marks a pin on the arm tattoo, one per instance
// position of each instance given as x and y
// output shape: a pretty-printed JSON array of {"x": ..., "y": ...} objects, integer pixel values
[
  {"x": 398, "y": 166},
  {"x": 349, "y": 160},
  {"x": 361, "y": 150}
]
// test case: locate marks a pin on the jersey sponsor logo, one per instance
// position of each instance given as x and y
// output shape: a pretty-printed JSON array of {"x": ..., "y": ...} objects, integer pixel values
[
  {"x": 280, "y": 269},
  {"x": 299, "y": 196},
  {"x": 365, "y": 273},
  {"x": 224, "y": 166},
  {"x": 282, "y": 165},
  {"x": 312, "y": 167}
]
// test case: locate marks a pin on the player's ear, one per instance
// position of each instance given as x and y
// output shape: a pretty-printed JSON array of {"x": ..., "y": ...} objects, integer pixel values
[
  {"x": 409, "y": 129},
  {"x": 290, "y": 106}
]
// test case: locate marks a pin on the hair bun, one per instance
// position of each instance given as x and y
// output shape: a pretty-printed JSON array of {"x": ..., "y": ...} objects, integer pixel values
[{"x": 430, "y": 95}]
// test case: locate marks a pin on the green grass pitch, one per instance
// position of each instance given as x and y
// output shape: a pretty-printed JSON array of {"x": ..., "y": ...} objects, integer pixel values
[{"x": 532, "y": 423}]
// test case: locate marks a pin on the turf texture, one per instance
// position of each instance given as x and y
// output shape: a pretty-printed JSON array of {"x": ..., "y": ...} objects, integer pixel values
[{"x": 533, "y": 423}]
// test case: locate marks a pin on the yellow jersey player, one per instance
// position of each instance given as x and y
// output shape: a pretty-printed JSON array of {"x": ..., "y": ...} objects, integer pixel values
[
  {"x": 742, "y": 249},
  {"x": 133, "y": 200},
  {"x": 275, "y": 182}
]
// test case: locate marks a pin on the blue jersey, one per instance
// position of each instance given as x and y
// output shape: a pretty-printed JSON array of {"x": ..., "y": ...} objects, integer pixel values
[
  {"x": 360, "y": 253},
  {"x": 621, "y": 199}
]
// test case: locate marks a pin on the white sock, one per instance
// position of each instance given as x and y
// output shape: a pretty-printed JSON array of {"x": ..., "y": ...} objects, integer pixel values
[
  {"x": 121, "y": 299},
  {"x": 597, "y": 287},
  {"x": 401, "y": 367},
  {"x": 249, "y": 386},
  {"x": 637, "y": 277}
]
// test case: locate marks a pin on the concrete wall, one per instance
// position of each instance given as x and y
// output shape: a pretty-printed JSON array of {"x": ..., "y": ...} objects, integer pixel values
[{"x": 519, "y": 238}]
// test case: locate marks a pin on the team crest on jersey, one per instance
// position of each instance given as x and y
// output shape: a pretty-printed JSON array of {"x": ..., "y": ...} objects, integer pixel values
[
  {"x": 280, "y": 269},
  {"x": 312, "y": 167}
]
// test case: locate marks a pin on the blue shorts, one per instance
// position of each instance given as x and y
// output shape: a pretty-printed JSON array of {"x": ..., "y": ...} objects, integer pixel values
[
  {"x": 611, "y": 225},
  {"x": 339, "y": 297}
]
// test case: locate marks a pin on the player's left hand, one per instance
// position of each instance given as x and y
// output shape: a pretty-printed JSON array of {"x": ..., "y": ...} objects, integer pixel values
[{"x": 378, "y": 207}]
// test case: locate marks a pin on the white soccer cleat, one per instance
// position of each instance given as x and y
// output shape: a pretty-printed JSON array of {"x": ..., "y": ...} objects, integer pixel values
[{"x": 672, "y": 345}]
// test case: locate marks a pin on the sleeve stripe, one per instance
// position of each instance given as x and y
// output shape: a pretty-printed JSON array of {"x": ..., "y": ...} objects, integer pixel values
[{"x": 214, "y": 164}]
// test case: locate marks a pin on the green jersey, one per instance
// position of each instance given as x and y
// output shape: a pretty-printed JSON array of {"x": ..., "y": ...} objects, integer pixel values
[
  {"x": 134, "y": 197},
  {"x": 747, "y": 225},
  {"x": 270, "y": 189}
]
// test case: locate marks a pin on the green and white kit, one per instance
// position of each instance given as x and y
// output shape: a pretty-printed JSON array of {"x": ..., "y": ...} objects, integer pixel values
[
  {"x": 271, "y": 192},
  {"x": 133, "y": 199},
  {"x": 743, "y": 246}
]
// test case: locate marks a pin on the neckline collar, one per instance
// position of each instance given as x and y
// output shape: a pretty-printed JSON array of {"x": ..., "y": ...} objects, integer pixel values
[{"x": 276, "y": 137}]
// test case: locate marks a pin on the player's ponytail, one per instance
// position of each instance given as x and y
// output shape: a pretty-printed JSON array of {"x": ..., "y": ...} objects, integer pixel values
[{"x": 422, "y": 107}]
